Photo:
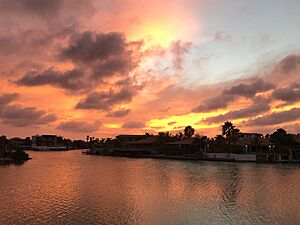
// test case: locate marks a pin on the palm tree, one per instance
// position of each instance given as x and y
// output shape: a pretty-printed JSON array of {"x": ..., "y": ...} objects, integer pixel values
[
  {"x": 189, "y": 131},
  {"x": 230, "y": 131}
]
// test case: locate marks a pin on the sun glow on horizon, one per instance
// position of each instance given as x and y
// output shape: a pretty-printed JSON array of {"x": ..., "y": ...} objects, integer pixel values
[{"x": 178, "y": 122}]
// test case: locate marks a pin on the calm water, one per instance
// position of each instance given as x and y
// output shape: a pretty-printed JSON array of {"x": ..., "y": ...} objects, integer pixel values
[{"x": 70, "y": 188}]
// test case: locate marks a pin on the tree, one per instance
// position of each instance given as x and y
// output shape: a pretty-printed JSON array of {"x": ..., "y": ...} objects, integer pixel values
[
  {"x": 189, "y": 131},
  {"x": 164, "y": 134},
  {"x": 219, "y": 139},
  {"x": 201, "y": 141},
  {"x": 230, "y": 131},
  {"x": 20, "y": 155},
  {"x": 281, "y": 138},
  {"x": 178, "y": 136},
  {"x": 27, "y": 141},
  {"x": 164, "y": 137}
]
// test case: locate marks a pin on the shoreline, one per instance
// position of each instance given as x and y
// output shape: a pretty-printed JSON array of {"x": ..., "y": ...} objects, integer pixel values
[
  {"x": 190, "y": 158},
  {"x": 7, "y": 161},
  {"x": 52, "y": 150}
]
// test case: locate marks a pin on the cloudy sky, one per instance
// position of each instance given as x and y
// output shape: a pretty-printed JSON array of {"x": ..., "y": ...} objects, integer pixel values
[{"x": 105, "y": 67}]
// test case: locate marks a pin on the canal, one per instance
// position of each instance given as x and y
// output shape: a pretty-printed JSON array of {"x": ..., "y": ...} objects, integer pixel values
[{"x": 71, "y": 188}]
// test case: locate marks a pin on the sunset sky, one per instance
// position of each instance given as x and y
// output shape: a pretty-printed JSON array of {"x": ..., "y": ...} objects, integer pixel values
[{"x": 108, "y": 67}]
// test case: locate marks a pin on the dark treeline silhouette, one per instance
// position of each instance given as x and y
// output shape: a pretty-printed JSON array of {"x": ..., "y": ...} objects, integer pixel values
[
  {"x": 11, "y": 151},
  {"x": 230, "y": 140},
  {"x": 186, "y": 142}
]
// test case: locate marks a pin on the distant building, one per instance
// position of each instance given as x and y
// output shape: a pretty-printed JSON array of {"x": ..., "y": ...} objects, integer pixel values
[
  {"x": 145, "y": 143},
  {"x": 130, "y": 137},
  {"x": 184, "y": 146},
  {"x": 124, "y": 139},
  {"x": 47, "y": 140},
  {"x": 21, "y": 143},
  {"x": 250, "y": 135}
]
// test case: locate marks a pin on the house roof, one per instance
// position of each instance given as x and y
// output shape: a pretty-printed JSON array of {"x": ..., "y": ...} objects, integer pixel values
[
  {"x": 252, "y": 141},
  {"x": 148, "y": 140},
  {"x": 130, "y": 135},
  {"x": 187, "y": 141},
  {"x": 16, "y": 139}
]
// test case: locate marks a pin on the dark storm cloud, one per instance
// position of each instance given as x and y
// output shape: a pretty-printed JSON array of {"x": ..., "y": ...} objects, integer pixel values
[
  {"x": 289, "y": 94},
  {"x": 5, "y": 99},
  {"x": 259, "y": 105},
  {"x": 98, "y": 56},
  {"x": 69, "y": 80},
  {"x": 230, "y": 94},
  {"x": 19, "y": 116},
  {"x": 105, "y": 100},
  {"x": 108, "y": 54},
  {"x": 115, "y": 65},
  {"x": 218, "y": 102},
  {"x": 79, "y": 126},
  {"x": 249, "y": 90},
  {"x": 119, "y": 113},
  {"x": 275, "y": 118},
  {"x": 88, "y": 46},
  {"x": 133, "y": 125}
]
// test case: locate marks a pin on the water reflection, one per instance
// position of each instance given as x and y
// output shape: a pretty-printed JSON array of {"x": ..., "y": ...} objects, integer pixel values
[{"x": 70, "y": 188}]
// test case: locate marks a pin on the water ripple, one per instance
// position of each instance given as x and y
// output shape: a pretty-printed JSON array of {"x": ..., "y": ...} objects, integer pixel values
[{"x": 69, "y": 188}]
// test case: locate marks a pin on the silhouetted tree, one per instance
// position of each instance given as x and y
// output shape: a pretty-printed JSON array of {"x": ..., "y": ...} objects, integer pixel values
[
  {"x": 27, "y": 141},
  {"x": 164, "y": 137},
  {"x": 201, "y": 141},
  {"x": 189, "y": 131},
  {"x": 219, "y": 139},
  {"x": 20, "y": 155},
  {"x": 178, "y": 136},
  {"x": 230, "y": 131},
  {"x": 164, "y": 134},
  {"x": 281, "y": 138}
]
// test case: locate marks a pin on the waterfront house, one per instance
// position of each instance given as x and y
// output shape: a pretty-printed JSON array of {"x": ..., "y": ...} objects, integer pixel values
[
  {"x": 48, "y": 142},
  {"x": 151, "y": 142},
  {"x": 253, "y": 144},
  {"x": 21, "y": 143},
  {"x": 250, "y": 135},
  {"x": 147, "y": 146},
  {"x": 124, "y": 139},
  {"x": 182, "y": 147}
]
